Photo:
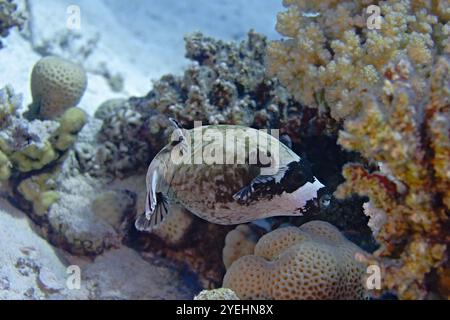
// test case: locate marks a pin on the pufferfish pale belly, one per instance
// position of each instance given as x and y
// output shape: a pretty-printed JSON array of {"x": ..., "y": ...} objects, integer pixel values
[{"x": 227, "y": 175}]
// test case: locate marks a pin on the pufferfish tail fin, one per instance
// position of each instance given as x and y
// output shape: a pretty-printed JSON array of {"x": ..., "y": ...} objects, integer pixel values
[{"x": 150, "y": 220}]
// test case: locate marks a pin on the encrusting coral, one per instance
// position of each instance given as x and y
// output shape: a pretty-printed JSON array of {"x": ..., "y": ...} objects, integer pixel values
[
  {"x": 57, "y": 84},
  {"x": 9, "y": 18},
  {"x": 389, "y": 86},
  {"x": 314, "y": 261}
]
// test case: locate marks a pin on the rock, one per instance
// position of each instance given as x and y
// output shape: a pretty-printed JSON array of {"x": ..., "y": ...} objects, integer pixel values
[
  {"x": 26, "y": 258},
  {"x": 30, "y": 268},
  {"x": 123, "y": 274}
]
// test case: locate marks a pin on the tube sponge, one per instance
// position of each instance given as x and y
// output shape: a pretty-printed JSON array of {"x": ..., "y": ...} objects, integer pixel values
[
  {"x": 56, "y": 85},
  {"x": 314, "y": 261}
]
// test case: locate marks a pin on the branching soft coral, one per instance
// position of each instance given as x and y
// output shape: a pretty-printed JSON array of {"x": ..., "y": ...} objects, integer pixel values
[{"x": 331, "y": 58}]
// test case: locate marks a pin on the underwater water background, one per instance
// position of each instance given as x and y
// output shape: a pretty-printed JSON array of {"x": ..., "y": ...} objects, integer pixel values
[{"x": 93, "y": 207}]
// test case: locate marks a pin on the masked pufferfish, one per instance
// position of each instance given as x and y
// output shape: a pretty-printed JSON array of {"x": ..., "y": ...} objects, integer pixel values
[{"x": 225, "y": 193}]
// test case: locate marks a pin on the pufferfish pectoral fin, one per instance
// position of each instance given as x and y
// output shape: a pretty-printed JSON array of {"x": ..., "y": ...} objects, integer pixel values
[
  {"x": 150, "y": 220},
  {"x": 156, "y": 204}
]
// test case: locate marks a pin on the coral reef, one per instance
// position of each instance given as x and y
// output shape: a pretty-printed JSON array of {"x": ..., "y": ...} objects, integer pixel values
[
  {"x": 311, "y": 262},
  {"x": 389, "y": 88},
  {"x": 9, "y": 18},
  {"x": 409, "y": 134},
  {"x": 381, "y": 94},
  {"x": 239, "y": 242},
  {"x": 126, "y": 134},
  {"x": 31, "y": 268},
  {"x": 331, "y": 58},
  {"x": 5, "y": 167},
  {"x": 192, "y": 245},
  {"x": 9, "y": 106},
  {"x": 57, "y": 84},
  {"x": 225, "y": 84},
  {"x": 199, "y": 251},
  {"x": 34, "y": 145},
  {"x": 37, "y": 159},
  {"x": 122, "y": 145},
  {"x": 72, "y": 214},
  {"x": 109, "y": 107},
  {"x": 217, "y": 294},
  {"x": 68, "y": 172},
  {"x": 26, "y": 144},
  {"x": 112, "y": 206}
]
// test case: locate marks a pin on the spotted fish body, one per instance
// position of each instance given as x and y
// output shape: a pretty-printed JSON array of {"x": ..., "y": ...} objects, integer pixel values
[{"x": 229, "y": 192}]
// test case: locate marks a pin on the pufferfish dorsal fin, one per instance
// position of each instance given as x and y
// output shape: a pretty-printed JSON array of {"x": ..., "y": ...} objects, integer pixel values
[{"x": 288, "y": 179}]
